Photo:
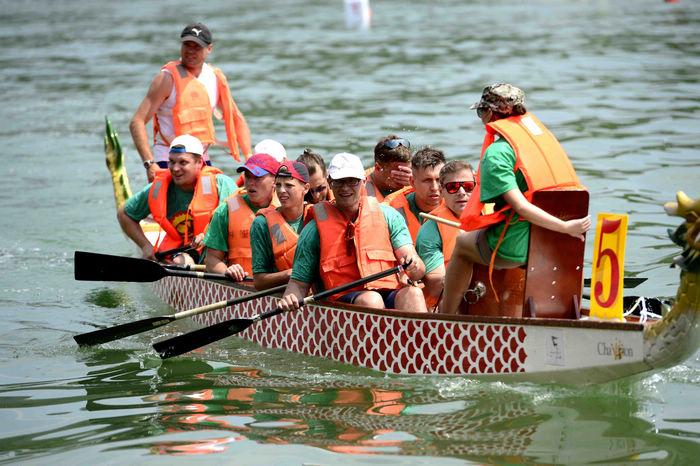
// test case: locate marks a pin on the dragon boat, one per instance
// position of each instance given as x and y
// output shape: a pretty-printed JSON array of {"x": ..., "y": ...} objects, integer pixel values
[{"x": 559, "y": 346}]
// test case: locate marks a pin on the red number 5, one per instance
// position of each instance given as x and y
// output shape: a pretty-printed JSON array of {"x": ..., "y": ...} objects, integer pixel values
[{"x": 608, "y": 227}]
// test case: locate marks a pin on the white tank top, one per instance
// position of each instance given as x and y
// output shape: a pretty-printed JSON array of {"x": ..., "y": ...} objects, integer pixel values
[{"x": 165, "y": 112}]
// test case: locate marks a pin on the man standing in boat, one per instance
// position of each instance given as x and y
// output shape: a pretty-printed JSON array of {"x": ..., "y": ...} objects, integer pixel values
[
  {"x": 182, "y": 99},
  {"x": 181, "y": 199},
  {"x": 512, "y": 168},
  {"x": 423, "y": 194},
  {"x": 228, "y": 236},
  {"x": 435, "y": 241},
  {"x": 353, "y": 237},
  {"x": 392, "y": 167},
  {"x": 275, "y": 231}
]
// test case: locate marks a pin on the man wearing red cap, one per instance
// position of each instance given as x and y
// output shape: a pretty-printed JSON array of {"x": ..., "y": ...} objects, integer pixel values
[
  {"x": 182, "y": 99},
  {"x": 228, "y": 236},
  {"x": 275, "y": 231},
  {"x": 182, "y": 200}
]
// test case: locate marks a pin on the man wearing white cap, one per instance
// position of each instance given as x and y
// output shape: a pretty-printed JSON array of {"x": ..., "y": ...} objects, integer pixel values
[
  {"x": 181, "y": 199},
  {"x": 354, "y": 237},
  {"x": 182, "y": 99}
]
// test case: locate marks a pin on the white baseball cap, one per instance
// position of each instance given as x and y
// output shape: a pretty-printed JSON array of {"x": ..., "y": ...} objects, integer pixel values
[
  {"x": 271, "y": 147},
  {"x": 346, "y": 165},
  {"x": 188, "y": 144}
]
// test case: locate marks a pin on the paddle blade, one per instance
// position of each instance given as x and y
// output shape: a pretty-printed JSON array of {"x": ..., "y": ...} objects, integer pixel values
[
  {"x": 189, "y": 341},
  {"x": 103, "y": 267},
  {"x": 120, "y": 331}
]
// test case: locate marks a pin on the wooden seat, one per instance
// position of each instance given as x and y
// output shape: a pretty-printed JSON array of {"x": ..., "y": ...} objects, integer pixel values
[{"x": 554, "y": 270}]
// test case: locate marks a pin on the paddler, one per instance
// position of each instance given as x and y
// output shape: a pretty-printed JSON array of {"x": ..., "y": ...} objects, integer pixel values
[
  {"x": 392, "y": 167},
  {"x": 274, "y": 232},
  {"x": 423, "y": 194},
  {"x": 353, "y": 237},
  {"x": 435, "y": 241},
  {"x": 228, "y": 236},
  {"x": 318, "y": 177},
  {"x": 182, "y": 99},
  {"x": 508, "y": 175},
  {"x": 182, "y": 200}
]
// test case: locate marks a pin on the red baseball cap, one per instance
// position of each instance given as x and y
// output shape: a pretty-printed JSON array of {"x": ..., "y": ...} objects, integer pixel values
[
  {"x": 260, "y": 165},
  {"x": 294, "y": 170}
]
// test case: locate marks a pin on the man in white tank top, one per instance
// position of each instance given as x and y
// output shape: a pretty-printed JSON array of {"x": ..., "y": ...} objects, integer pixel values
[{"x": 162, "y": 96}]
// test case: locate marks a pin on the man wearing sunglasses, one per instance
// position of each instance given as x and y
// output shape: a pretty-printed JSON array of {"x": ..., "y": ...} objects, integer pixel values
[
  {"x": 423, "y": 194},
  {"x": 318, "y": 177},
  {"x": 353, "y": 237},
  {"x": 526, "y": 158},
  {"x": 392, "y": 167},
  {"x": 436, "y": 241}
]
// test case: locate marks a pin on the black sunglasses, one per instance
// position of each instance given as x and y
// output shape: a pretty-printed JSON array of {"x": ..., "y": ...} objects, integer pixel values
[
  {"x": 453, "y": 186},
  {"x": 394, "y": 143}
]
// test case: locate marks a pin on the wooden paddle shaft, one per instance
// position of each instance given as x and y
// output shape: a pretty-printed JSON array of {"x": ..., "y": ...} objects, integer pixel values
[{"x": 440, "y": 220}]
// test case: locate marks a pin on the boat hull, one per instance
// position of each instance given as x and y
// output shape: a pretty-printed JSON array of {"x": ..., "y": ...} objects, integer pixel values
[{"x": 537, "y": 350}]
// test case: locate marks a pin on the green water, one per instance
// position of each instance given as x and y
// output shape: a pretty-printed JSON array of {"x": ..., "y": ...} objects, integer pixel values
[{"x": 617, "y": 81}]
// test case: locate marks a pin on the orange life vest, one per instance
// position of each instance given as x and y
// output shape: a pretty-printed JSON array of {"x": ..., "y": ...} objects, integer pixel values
[
  {"x": 539, "y": 156},
  {"x": 371, "y": 189},
  {"x": 398, "y": 201},
  {"x": 201, "y": 208},
  {"x": 192, "y": 113},
  {"x": 240, "y": 217},
  {"x": 448, "y": 234},
  {"x": 282, "y": 236},
  {"x": 367, "y": 251}
]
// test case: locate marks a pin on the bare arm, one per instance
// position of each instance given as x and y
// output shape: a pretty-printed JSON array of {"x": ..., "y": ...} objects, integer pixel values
[
  {"x": 433, "y": 281},
  {"x": 294, "y": 295},
  {"x": 539, "y": 217},
  {"x": 406, "y": 253},
  {"x": 133, "y": 230},
  {"x": 160, "y": 89},
  {"x": 216, "y": 263},
  {"x": 263, "y": 281}
]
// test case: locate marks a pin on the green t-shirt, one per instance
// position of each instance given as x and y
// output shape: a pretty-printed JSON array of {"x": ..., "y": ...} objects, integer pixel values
[
  {"x": 429, "y": 246},
  {"x": 136, "y": 207},
  {"x": 261, "y": 244},
  {"x": 496, "y": 178},
  {"x": 308, "y": 253},
  {"x": 217, "y": 234}
]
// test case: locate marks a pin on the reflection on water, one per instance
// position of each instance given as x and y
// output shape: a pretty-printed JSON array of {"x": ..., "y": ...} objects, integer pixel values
[{"x": 193, "y": 408}]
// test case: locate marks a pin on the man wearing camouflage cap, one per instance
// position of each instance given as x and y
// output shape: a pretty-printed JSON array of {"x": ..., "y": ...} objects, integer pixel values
[
  {"x": 525, "y": 158},
  {"x": 182, "y": 99}
]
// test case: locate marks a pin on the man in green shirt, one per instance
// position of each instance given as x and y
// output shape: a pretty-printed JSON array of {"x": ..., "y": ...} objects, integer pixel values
[
  {"x": 435, "y": 241},
  {"x": 351, "y": 243},
  {"x": 274, "y": 232},
  {"x": 186, "y": 167},
  {"x": 228, "y": 236}
]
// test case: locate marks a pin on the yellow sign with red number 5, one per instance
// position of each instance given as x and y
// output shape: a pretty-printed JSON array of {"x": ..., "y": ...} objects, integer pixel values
[{"x": 608, "y": 266}]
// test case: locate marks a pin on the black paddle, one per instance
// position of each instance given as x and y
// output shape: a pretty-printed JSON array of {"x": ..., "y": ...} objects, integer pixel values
[
  {"x": 132, "y": 328},
  {"x": 628, "y": 282},
  {"x": 204, "y": 336},
  {"x": 160, "y": 255},
  {"x": 91, "y": 266}
]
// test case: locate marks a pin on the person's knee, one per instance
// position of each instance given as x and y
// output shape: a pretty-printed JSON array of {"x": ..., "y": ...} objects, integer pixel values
[
  {"x": 370, "y": 299},
  {"x": 410, "y": 298}
]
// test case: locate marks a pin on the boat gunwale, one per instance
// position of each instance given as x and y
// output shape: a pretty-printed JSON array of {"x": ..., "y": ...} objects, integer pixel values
[{"x": 529, "y": 321}]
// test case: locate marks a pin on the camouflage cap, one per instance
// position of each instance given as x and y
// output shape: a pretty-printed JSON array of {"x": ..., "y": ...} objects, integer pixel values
[{"x": 503, "y": 98}]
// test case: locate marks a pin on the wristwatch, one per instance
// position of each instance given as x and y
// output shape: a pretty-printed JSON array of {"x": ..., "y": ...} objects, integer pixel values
[{"x": 148, "y": 163}]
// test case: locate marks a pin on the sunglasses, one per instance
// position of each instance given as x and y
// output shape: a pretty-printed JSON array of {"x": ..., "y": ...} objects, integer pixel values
[
  {"x": 352, "y": 182},
  {"x": 481, "y": 110},
  {"x": 394, "y": 143},
  {"x": 453, "y": 186},
  {"x": 318, "y": 190}
]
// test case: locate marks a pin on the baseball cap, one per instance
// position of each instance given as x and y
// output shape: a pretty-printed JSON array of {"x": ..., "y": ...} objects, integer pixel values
[
  {"x": 187, "y": 143},
  {"x": 260, "y": 165},
  {"x": 196, "y": 32},
  {"x": 272, "y": 147},
  {"x": 346, "y": 165},
  {"x": 295, "y": 170},
  {"x": 503, "y": 98}
]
